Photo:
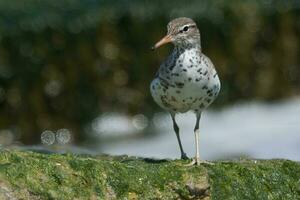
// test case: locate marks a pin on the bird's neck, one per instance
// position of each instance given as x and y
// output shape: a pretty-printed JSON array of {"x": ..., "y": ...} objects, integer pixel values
[{"x": 188, "y": 46}]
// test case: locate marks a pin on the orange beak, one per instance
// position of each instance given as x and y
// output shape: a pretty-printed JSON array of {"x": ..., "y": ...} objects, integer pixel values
[{"x": 165, "y": 40}]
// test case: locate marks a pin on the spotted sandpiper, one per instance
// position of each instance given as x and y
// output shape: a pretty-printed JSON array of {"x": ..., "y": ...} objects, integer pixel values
[{"x": 187, "y": 79}]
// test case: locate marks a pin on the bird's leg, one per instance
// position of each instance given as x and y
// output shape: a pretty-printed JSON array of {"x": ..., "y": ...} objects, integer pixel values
[
  {"x": 176, "y": 129},
  {"x": 197, "y": 157},
  {"x": 197, "y": 160}
]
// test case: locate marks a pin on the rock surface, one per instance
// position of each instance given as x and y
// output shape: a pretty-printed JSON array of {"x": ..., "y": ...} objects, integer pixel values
[{"x": 31, "y": 175}]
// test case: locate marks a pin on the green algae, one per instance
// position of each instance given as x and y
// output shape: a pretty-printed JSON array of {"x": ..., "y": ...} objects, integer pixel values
[
  {"x": 54, "y": 176},
  {"x": 259, "y": 179},
  {"x": 31, "y": 175}
]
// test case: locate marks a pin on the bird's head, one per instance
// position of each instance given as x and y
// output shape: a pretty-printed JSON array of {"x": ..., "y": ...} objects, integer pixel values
[{"x": 181, "y": 32}]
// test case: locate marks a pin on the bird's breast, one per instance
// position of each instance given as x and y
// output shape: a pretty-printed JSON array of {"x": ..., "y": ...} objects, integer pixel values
[{"x": 188, "y": 82}]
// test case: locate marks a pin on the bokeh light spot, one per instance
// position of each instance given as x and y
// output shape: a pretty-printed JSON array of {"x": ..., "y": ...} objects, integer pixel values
[
  {"x": 140, "y": 121},
  {"x": 110, "y": 51},
  {"x": 53, "y": 88},
  {"x": 48, "y": 137},
  {"x": 63, "y": 136}
]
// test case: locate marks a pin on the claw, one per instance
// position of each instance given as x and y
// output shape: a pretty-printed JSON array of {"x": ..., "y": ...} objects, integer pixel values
[
  {"x": 198, "y": 162},
  {"x": 206, "y": 162},
  {"x": 191, "y": 163}
]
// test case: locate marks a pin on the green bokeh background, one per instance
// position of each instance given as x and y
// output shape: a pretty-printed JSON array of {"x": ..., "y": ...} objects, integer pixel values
[{"x": 63, "y": 63}]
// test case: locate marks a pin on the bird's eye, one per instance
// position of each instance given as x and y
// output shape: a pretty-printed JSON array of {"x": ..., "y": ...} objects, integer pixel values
[{"x": 186, "y": 28}]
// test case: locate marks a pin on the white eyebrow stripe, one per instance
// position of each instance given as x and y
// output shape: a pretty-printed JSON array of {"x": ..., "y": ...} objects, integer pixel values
[{"x": 188, "y": 25}]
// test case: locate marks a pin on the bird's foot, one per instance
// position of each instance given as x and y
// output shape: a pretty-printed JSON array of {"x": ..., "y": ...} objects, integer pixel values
[
  {"x": 197, "y": 161},
  {"x": 184, "y": 156}
]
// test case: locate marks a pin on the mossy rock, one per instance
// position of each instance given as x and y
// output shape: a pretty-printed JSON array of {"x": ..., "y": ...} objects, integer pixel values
[{"x": 31, "y": 175}]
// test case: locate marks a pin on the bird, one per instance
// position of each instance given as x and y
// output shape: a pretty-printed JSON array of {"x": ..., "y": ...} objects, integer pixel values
[{"x": 187, "y": 79}]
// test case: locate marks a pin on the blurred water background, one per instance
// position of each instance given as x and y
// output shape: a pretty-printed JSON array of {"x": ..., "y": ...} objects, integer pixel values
[{"x": 75, "y": 75}]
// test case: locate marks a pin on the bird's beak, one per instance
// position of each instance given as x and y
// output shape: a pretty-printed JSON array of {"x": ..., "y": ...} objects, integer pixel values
[{"x": 165, "y": 40}]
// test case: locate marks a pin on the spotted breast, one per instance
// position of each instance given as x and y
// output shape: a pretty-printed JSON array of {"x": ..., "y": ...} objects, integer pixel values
[{"x": 186, "y": 80}]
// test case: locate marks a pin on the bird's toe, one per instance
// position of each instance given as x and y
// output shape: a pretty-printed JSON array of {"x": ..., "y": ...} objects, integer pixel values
[{"x": 198, "y": 162}]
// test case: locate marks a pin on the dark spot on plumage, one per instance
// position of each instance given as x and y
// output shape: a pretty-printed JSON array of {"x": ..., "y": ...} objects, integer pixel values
[
  {"x": 180, "y": 65},
  {"x": 164, "y": 87},
  {"x": 163, "y": 100},
  {"x": 168, "y": 77},
  {"x": 179, "y": 84},
  {"x": 210, "y": 95},
  {"x": 197, "y": 79},
  {"x": 183, "y": 100},
  {"x": 185, "y": 70},
  {"x": 190, "y": 66},
  {"x": 205, "y": 72},
  {"x": 174, "y": 74},
  {"x": 191, "y": 98},
  {"x": 164, "y": 83},
  {"x": 205, "y": 87},
  {"x": 190, "y": 79},
  {"x": 208, "y": 100},
  {"x": 209, "y": 91},
  {"x": 153, "y": 87},
  {"x": 216, "y": 87},
  {"x": 191, "y": 60},
  {"x": 199, "y": 70},
  {"x": 196, "y": 110},
  {"x": 177, "y": 91},
  {"x": 215, "y": 75},
  {"x": 201, "y": 106},
  {"x": 171, "y": 67},
  {"x": 164, "y": 90}
]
